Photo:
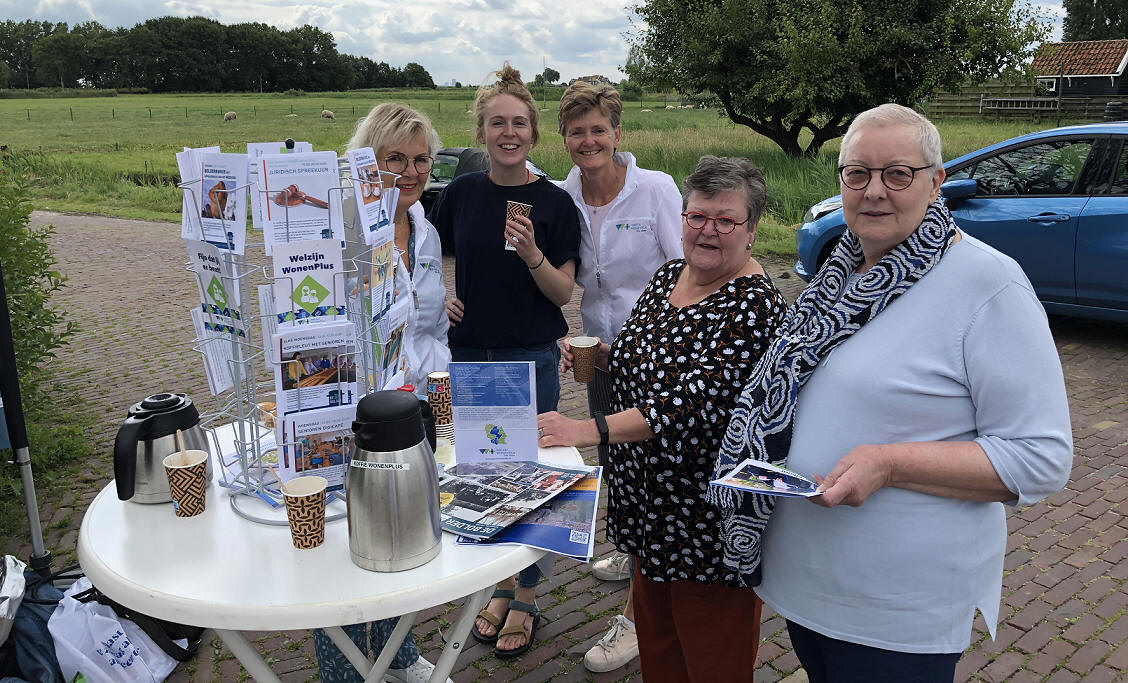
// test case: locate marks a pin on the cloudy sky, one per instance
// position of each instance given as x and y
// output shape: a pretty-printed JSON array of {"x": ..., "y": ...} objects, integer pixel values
[{"x": 453, "y": 39}]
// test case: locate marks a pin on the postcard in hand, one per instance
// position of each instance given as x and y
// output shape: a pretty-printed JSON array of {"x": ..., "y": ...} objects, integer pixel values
[{"x": 756, "y": 476}]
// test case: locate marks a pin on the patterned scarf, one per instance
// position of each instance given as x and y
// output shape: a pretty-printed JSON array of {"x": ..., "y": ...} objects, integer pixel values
[{"x": 820, "y": 319}]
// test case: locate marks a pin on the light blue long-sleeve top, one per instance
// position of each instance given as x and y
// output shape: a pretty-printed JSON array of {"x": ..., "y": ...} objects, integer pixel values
[{"x": 965, "y": 354}]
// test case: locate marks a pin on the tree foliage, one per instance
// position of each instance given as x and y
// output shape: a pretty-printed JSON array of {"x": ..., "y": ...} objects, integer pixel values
[
  {"x": 190, "y": 54},
  {"x": 31, "y": 278},
  {"x": 786, "y": 68},
  {"x": 1095, "y": 19}
]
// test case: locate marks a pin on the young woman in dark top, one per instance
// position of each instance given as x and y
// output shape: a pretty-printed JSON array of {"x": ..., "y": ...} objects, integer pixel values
[{"x": 512, "y": 275}]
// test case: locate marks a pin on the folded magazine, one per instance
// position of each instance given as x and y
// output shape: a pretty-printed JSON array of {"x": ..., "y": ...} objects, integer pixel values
[{"x": 480, "y": 499}]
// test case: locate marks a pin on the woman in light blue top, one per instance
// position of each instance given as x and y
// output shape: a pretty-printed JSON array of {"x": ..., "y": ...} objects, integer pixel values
[{"x": 916, "y": 380}]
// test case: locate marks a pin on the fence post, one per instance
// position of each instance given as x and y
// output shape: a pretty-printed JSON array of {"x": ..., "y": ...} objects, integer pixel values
[
  {"x": 440, "y": 107},
  {"x": 185, "y": 112},
  {"x": 72, "y": 113},
  {"x": 254, "y": 110},
  {"x": 28, "y": 114},
  {"x": 150, "y": 113},
  {"x": 291, "y": 109},
  {"x": 113, "y": 113}
]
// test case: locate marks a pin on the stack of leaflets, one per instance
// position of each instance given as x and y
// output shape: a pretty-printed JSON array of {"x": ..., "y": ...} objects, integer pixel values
[
  {"x": 255, "y": 151},
  {"x": 766, "y": 479},
  {"x": 303, "y": 199},
  {"x": 480, "y": 499},
  {"x": 565, "y": 525}
]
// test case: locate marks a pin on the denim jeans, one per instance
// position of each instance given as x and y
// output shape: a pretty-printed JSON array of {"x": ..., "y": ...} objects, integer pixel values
[{"x": 546, "y": 357}]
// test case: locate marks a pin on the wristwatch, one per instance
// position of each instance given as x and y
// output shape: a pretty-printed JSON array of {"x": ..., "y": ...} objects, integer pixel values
[{"x": 601, "y": 425}]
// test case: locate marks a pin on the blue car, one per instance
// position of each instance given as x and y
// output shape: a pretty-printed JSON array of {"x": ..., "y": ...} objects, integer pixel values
[{"x": 1056, "y": 201}]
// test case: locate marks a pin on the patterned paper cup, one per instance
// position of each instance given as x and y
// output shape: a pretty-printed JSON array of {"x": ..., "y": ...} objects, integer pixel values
[
  {"x": 188, "y": 481},
  {"x": 438, "y": 395},
  {"x": 512, "y": 210},
  {"x": 305, "y": 510},
  {"x": 583, "y": 358}
]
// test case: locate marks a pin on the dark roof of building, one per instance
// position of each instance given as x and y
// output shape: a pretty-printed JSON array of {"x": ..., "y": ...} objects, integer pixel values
[{"x": 1082, "y": 58}]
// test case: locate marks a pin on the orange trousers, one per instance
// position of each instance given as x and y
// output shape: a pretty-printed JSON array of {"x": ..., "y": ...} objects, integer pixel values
[{"x": 691, "y": 632}]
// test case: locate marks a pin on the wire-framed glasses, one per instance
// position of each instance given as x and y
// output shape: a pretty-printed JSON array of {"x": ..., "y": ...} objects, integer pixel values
[
  {"x": 723, "y": 224},
  {"x": 895, "y": 177},
  {"x": 397, "y": 163}
]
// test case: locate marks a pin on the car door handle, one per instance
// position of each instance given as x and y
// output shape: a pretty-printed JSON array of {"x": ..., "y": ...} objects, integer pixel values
[{"x": 1049, "y": 218}]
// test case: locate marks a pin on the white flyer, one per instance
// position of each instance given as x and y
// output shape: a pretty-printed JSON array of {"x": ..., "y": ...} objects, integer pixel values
[
  {"x": 390, "y": 332},
  {"x": 215, "y": 276},
  {"x": 303, "y": 198},
  {"x": 309, "y": 280},
  {"x": 190, "y": 164},
  {"x": 256, "y": 150},
  {"x": 495, "y": 412},
  {"x": 223, "y": 201},
  {"x": 315, "y": 367},
  {"x": 316, "y": 442},
  {"x": 215, "y": 348},
  {"x": 375, "y": 221}
]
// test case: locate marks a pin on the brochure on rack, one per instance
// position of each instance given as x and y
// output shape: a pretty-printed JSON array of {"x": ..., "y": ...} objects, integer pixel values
[
  {"x": 375, "y": 204},
  {"x": 766, "y": 479},
  {"x": 303, "y": 198},
  {"x": 309, "y": 281},
  {"x": 316, "y": 442},
  {"x": 217, "y": 287},
  {"x": 565, "y": 525},
  {"x": 215, "y": 346},
  {"x": 316, "y": 367},
  {"x": 255, "y": 151},
  {"x": 223, "y": 201},
  {"x": 480, "y": 499},
  {"x": 190, "y": 164},
  {"x": 495, "y": 412}
]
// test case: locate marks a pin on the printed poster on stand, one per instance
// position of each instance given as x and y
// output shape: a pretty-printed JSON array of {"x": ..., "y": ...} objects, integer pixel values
[
  {"x": 372, "y": 198},
  {"x": 190, "y": 164},
  {"x": 303, "y": 198},
  {"x": 316, "y": 442},
  {"x": 495, "y": 412},
  {"x": 223, "y": 201},
  {"x": 255, "y": 151},
  {"x": 315, "y": 367},
  {"x": 309, "y": 281}
]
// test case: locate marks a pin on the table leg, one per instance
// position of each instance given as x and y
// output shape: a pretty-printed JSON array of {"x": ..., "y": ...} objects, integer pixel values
[
  {"x": 459, "y": 632},
  {"x": 248, "y": 656},
  {"x": 348, "y": 648},
  {"x": 384, "y": 660}
]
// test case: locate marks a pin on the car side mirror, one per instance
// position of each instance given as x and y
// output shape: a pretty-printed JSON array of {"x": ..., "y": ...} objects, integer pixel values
[{"x": 956, "y": 191}]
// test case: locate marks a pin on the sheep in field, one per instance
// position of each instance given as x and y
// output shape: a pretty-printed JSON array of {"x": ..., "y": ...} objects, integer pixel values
[
  {"x": 229, "y": 116},
  {"x": 326, "y": 114}
]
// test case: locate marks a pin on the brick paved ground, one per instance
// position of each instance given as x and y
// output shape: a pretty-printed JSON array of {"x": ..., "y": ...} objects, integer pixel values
[{"x": 1064, "y": 615}]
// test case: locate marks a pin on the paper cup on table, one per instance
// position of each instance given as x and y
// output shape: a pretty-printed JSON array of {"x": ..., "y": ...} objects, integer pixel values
[
  {"x": 187, "y": 481},
  {"x": 305, "y": 510},
  {"x": 438, "y": 395},
  {"x": 513, "y": 209},
  {"x": 583, "y": 358}
]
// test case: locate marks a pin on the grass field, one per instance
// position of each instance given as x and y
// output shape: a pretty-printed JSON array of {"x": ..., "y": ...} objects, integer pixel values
[{"x": 114, "y": 155}]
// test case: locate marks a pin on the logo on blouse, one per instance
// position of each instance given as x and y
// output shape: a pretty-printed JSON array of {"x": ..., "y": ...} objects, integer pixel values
[{"x": 632, "y": 227}]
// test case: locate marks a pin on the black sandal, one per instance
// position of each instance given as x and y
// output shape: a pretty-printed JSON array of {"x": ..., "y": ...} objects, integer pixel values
[
  {"x": 515, "y": 630},
  {"x": 505, "y": 593}
]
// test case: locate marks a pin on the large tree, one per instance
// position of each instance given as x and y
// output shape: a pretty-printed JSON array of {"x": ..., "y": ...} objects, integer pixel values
[
  {"x": 1095, "y": 19},
  {"x": 786, "y": 68}
]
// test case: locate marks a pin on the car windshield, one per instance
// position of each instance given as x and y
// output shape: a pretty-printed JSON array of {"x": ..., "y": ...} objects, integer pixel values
[{"x": 444, "y": 167}]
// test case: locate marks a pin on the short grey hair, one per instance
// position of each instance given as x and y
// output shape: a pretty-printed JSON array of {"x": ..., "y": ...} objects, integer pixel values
[
  {"x": 717, "y": 174},
  {"x": 896, "y": 115},
  {"x": 390, "y": 124}
]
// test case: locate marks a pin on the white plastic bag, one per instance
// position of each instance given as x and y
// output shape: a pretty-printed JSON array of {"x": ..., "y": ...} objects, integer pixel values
[
  {"x": 91, "y": 639},
  {"x": 11, "y": 593}
]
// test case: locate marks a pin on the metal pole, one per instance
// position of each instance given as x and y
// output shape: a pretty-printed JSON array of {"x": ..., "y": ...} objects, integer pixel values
[
  {"x": 1060, "y": 84},
  {"x": 40, "y": 559}
]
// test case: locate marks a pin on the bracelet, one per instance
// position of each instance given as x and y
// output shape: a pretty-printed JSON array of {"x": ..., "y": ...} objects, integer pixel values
[
  {"x": 601, "y": 425},
  {"x": 539, "y": 264}
]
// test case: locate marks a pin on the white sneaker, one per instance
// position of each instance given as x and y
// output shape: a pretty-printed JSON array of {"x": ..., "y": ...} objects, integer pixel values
[
  {"x": 419, "y": 672},
  {"x": 615, "y": 649},
  {"x": 617, "y": 567}
]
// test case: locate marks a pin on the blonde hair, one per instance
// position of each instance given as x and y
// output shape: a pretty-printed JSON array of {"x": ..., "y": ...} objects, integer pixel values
[
  {"x": 582, "y": 97},
  {"x": 390, "y": 124},
  {"x": 508, "y": 83}
]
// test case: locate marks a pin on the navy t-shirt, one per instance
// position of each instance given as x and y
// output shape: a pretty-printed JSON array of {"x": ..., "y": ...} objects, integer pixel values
[{"x": 503, "y": 307}]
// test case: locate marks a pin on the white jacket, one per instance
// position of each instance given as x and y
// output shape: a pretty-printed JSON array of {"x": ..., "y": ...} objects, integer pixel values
[
  {"x": 640, "y": 232},
  {"x": 425, "y": 340}
]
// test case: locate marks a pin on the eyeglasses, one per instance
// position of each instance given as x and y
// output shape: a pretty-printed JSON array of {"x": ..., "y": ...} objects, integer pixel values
[
  {"x": 397, "y": 163},
  {"x": 895, "y": 177},
  {"x": 723, "y": 224}
]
